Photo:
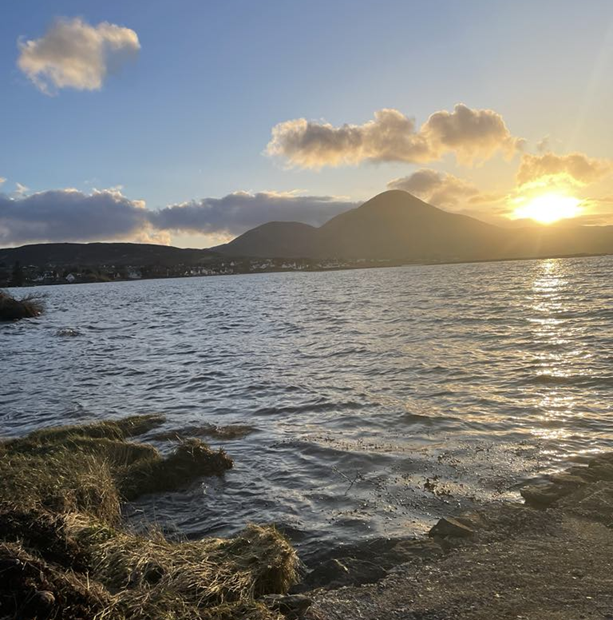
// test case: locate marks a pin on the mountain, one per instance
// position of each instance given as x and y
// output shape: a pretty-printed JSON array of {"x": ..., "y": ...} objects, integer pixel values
[
  {"x": 398, "y": 226},
  {"x": 96, "y": 254},
  {"x": 393, "y": 225}
]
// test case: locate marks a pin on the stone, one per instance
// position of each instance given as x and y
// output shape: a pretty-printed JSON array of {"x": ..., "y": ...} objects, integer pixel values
[
  {"x": 448, "y": 526},
  {"x": 545, "y": 495},
  {"x": 292, "y": 606}
]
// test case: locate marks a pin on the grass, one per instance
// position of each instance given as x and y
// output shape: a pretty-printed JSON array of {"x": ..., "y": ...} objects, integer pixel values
[
  {"x": 65, "y": 552},
  {"x": 12, "y": 309}
]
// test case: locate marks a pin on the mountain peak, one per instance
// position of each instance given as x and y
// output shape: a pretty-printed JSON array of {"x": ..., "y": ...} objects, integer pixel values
[{"x": 396, "y": 198}]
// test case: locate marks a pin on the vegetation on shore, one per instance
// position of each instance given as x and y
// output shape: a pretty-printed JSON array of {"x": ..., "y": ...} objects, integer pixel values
[
  {"x": 12, "y": 309},
  {"x": 65, "y": 553}
]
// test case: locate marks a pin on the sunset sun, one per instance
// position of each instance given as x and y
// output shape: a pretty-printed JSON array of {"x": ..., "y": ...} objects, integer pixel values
[{"x": 548, "y": 208}]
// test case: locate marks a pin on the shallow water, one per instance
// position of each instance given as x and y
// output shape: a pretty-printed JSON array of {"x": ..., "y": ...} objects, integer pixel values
[{"x": 381, "y": 398}]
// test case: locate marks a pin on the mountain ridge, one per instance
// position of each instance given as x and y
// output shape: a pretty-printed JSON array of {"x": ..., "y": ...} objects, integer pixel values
[
  {"x": 392, "y": 226},
  {"x": 396, "y": 225}
]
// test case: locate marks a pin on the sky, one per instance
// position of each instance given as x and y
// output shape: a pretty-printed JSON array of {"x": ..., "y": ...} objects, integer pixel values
[{"x": 189, "y": 122}]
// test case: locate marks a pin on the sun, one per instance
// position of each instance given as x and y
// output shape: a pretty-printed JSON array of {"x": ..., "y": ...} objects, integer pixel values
[{"x": 548, "y": 208}]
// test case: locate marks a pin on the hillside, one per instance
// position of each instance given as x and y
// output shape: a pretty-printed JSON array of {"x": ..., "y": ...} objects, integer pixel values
[
  {"x": 398, "y": 226},
  {"x": 96, "y": 254}
]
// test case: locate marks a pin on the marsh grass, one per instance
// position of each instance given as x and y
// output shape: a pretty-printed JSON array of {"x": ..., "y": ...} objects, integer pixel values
[
  {"x": 12, "y": 309},
  {"x": 61, "y": 533}
]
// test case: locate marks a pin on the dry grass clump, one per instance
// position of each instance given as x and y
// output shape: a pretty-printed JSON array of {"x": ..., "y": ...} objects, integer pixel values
[
  {"x": 12, "y": 309},
  {"x": 65, "y": 554},
  {"x": 154, "y": 578},
  {"x": 33, "y": 588}
]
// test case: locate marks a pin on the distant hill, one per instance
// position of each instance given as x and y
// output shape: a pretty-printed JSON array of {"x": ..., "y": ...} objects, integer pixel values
[
  {"x": 96, "y": 254},
  {"x": 393, "y": 226},
  {"x": 398, "y": 226}
]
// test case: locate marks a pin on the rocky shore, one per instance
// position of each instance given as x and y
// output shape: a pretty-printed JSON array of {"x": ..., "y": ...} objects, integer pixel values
[
  {"x": 66, "y": 552},
  {"x": 548, "y": 559}
]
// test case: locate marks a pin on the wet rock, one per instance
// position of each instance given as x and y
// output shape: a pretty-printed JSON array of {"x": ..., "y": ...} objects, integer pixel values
[
  {"x": 602, "y": 469},
  {"x": 545, "y": 495},
  {"x": 448, "y": 526},
  {"x": 565, "y": 478},
  {"x": 337, "y": 573},
  {"x": 292, "y": 606},
  {"x": 586, "y": 474}
]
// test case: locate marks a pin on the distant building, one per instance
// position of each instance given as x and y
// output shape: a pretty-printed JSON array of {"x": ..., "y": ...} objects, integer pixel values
[{"x": 71, "y": 278}]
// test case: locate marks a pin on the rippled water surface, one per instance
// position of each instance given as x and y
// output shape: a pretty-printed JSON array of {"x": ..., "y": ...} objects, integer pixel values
[{"x": 381, "y": 398}]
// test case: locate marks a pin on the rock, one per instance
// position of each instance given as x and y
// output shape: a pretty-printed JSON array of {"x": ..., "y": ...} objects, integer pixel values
[
  {"x": 336, "y": 573},
  {"x": 472, "y": 520},
  {"x": 603, "y": 470},
  {"x": 565, "y": 478},
  {"x": 586, "y": 474},
  {"x": 544, "y": 495},
  {"x": 292, "y": 606},
  {"x": 448, "y": 526},
  {"x": 407, "y": 550}
]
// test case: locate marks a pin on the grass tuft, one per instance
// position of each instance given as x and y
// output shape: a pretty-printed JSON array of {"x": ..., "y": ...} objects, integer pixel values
[
  {"x": 12, "y": 309},
  {"x": 64, "y": 552}
]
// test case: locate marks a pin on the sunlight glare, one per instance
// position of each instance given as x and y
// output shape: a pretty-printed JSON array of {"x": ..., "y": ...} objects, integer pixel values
[{"x": 549, "y": 208}]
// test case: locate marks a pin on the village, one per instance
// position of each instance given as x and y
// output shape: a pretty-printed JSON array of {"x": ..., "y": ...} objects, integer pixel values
[{"x": 50, "y": 274}]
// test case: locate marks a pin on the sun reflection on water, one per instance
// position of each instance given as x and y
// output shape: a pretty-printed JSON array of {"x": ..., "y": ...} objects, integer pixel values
[{"x": 554, "y": 358}]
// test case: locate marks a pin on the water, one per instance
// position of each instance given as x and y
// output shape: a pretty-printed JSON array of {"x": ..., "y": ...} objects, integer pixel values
[{"x": 381, "y": 398}]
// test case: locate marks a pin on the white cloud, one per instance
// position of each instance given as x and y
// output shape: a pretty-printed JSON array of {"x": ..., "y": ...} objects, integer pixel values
[
  {"x": 438, "y": 188},
  {"x": 106, "y": 215},
  {"x": 471, "y": 135},
  {"x": 70, "y": 215},
  {"x": 237, "y": 212},
  {"x": 20, "y": 190},
  {"x": 573, "y": 168},
  {"x": 74, "y": 54}
]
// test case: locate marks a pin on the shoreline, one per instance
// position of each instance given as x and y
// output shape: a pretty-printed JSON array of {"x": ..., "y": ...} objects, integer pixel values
[
  {"x": 358, "y": 267},
  {"x": 547, "y": 559},
  {"x": 479, "y": 565}
]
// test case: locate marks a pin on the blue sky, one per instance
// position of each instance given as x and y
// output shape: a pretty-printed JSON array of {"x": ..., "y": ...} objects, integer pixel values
[{"x": 189, "y": 118}]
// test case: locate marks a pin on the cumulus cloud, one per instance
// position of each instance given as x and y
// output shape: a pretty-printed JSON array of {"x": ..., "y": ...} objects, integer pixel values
[
  {"x": 573, "y": 168},
  {"x": 237, "y": 212},
  {"x": 471, "y": 135},
  {"x": 71, "y": 215},
  {"x": 74, "y": 54},
  {"x": 438, "y": 188},
  {"x": 20, "y": 190}
]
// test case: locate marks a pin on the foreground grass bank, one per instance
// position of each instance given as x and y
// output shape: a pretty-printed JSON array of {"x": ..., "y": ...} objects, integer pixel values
[{"x": 65, "y": 553}]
